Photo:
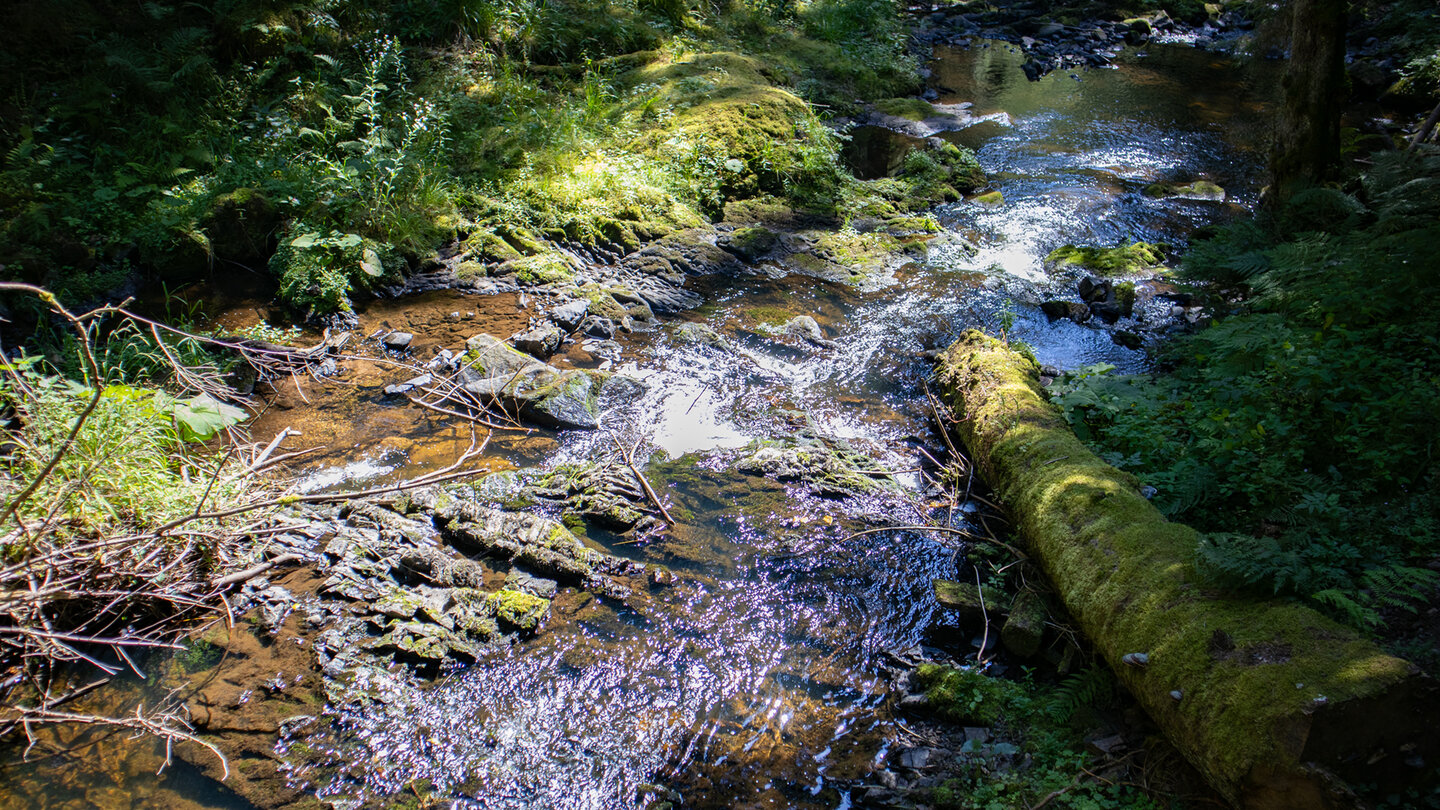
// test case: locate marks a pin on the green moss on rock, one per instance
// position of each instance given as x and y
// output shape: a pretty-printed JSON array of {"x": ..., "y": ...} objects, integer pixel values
[
  {"x": 519, "y": 610},
  {"x": 1122, "y": 260}
]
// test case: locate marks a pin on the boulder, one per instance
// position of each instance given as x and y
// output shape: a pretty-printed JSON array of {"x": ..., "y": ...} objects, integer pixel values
[
  {"x": 1074, "y": 310},
  {"x": 569, "y": 316},
  {"x": 521, "y": 384},
  {"x": 541, "y": 342}
]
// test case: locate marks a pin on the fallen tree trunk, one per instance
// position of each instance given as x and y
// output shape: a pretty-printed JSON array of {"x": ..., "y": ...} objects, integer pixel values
[{"x": 1268, "y": 699}]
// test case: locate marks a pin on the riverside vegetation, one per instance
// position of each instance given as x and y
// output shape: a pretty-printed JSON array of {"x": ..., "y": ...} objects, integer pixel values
[{"x": 336, "y": 146}]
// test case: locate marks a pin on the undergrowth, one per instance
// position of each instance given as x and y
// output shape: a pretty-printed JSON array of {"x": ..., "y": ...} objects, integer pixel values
[
  {"x": 1039, "y": 750},
  {"x": 208, "y": 136},
  {"x": 1299, "y": 429}
]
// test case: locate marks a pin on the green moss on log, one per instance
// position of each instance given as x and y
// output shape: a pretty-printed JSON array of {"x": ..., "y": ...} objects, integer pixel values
[{"x": 1266, "y": 687}]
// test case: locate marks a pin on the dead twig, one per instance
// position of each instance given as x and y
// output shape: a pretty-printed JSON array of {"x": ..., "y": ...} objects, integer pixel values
[{"x": 649, "y": 492}]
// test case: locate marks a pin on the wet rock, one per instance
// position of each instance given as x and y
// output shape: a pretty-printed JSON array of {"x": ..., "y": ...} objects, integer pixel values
[
  {"x": 538, "y": 543},
  {"x": 607, "y": 493},
  {"x": 1198, "y": 190},
  {"x": 1024, "y": 630},
  {"x": 538, "y": 392},
  {"x": 703, "y": 334},
  {"x": 750, "y": 245},
  {"x": 1128, "y": 339},
  {"x": 622, "y": 388},
  {"x": 1094, "y": 289},
  {"x": 596, "y": 326},
  {"x": 569, "y": 316},
  {"x": 827, "y": 469},
  {"x": 1074, "y": 310},
  {"x": 401, "y": 388},
  {"x": 519, "y": 610},
  {"x": 397, "y": 341},
  {"x": 965, "y": 599},
  {"x": 566, "y": 402},
  {"x": 541, "y": 342},
  {"x": 804, "y": 326},
  {"x": 518, "y": 580}
]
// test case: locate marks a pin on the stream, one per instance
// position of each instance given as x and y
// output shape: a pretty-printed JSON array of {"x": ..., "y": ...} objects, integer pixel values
[{"x": 764, "y": 676}]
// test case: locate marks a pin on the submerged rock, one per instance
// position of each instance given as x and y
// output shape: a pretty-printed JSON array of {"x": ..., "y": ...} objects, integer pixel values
[{"x": 826, "y": 469}]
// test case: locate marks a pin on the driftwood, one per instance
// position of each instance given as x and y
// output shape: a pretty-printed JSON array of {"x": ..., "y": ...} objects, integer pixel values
[{"x": 1268, "y": 699}]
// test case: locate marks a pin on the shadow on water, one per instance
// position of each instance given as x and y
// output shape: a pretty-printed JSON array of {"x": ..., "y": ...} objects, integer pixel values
[{"x": 760, "y": 678}]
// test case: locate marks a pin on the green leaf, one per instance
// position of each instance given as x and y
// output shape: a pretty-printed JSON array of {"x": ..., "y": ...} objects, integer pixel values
[
  {"x": 370, "y": 263},
  {"x": 200, "y": 418},
  {"x": 305, "y": 240}
]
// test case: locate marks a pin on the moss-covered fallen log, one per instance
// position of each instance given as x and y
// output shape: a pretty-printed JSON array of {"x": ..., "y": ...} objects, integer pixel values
[{"x": 1268, "y": 699}]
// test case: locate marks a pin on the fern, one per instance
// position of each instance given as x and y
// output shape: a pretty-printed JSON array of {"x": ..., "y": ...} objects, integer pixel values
[{"x": 1089, "y": 688}]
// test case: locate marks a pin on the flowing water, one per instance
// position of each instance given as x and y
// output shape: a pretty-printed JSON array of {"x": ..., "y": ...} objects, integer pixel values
[{"x": 762, "y": 679}]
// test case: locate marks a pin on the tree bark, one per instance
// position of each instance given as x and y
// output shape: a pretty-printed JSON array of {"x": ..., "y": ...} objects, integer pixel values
[
  {"x": 1266, "y": 698},
  {"x": 1307, "y": 129}
]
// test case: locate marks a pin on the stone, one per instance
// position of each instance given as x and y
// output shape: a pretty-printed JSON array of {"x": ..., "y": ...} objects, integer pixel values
[
  {"x": 596, "y": 326},
  {"x": 414, "y": 382},
  {"x": 518, "y": 580},
  {"x": 704, "y": 334},
  {"x": 569, "y": 316},
  {"x": 519, "y": 610},
  {"x": 622, "y": 388},
  {"x": 398, "y": 341},
  {"x": 965, "y": 598},
  {"x": 541, "y": 342},
  {"x": 1128, "y": 339},
  {"x": 1074, "y": 310},
  {"x": 1094, "y": 289},
  {"x": 803, "y": 326},
  {"x": 1024, "y": 631},
  {"x": 568, "y": 401}
]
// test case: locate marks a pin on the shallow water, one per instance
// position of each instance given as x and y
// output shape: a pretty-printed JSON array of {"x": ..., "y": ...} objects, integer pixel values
[{"x": 762, "y": 678}]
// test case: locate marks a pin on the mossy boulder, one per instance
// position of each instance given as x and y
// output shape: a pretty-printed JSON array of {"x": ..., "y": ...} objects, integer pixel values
[
  {"x": 1272, "y": 695},
  {"x": 750, "y": 245},
  {"x": 1198, "y": 190},
  {"x": 1122, "y": 260},
  {"x": 911, "y": 109},
  {"x": 184, "y": 255},
  {"x": 519, "y": 610},
  {"x": 487, "y": 246},
  {"x": 496, "y": 372},
  {"x": 965, "y": 697},
  {"x": 242, "y": 226},
  {"x": 546, "y": 268}
]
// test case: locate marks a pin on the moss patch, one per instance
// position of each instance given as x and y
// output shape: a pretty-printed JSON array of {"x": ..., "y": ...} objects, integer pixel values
[
  {"x": 1121, "y": 260},
  {"x": 913, "y": 109}
]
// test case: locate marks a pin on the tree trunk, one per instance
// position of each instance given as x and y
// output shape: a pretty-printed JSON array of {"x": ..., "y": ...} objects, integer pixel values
[
  {"x": 1266, "y": 698},
  {"x": 1307, "y": 129}
]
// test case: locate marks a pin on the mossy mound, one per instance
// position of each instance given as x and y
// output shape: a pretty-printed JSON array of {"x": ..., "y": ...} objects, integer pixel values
[
  {"x": 1122, "y": 260},
  {"x": 911, "y": 109},
  {"x": 964, "y": 696}
]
